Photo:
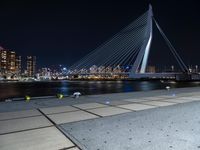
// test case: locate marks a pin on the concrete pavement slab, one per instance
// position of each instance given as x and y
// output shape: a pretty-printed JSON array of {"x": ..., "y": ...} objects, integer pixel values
[
  {"x": 135, "y": 100},
  {"x": 136, "y": 106},
  {"x": 178, "y": 100},
  {"x": 39, "y": 139},
  {"x": 158, "y": 103},
  {"x": 19, "y": 114},
  {"x": 114, "y": 103},
  {"x": 108, "y": 111},
  {"x": 89, "y": 105},
  {"x": 15, "y": 125},
  {"x": 71, "y": 117},
  {"x": 169, "y": 96},
  {"x": 153, "y": 98},
  {"x": 58, "y": 109},
  {"x": 191, "y": 98}
]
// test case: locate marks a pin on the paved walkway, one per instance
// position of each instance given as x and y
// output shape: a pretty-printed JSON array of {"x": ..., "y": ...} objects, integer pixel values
[{"x": 141, "y": 120}]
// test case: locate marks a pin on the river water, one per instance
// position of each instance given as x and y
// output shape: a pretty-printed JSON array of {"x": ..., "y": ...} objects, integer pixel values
[{"x": 20, "y": 89}]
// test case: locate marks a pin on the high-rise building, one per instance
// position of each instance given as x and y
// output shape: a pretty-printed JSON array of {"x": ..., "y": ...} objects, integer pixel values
[
  {"x": 18, "y": 65},
  {"x": 3, "y": 60},
  {"x": 11, "y": 61},
  {"x": 31, "y": 65}
]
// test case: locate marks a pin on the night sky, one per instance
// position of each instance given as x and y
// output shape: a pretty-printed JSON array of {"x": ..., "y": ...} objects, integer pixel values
[{"x": 62, "y": 32}]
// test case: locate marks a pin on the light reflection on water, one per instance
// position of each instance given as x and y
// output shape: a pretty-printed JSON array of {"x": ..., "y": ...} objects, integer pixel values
[
  {"x": 64, "y": 87},
  {"x": 19, "y": 89}
]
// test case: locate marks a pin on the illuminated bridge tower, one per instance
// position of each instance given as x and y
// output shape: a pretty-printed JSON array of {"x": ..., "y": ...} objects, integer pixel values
[{"x": 140, "y": 63}]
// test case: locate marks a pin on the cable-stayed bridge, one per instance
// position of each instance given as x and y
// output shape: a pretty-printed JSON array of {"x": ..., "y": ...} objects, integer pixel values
[{"x": 126, "y": 53}]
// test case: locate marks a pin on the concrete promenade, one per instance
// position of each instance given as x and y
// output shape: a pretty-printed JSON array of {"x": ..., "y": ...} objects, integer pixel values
[{"x": 151, "y": 120}]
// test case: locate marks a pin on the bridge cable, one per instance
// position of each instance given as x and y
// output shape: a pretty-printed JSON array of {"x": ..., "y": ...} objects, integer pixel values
[
  {"x": 88, "y": 59},
  {"x": 174, "y": 52}
]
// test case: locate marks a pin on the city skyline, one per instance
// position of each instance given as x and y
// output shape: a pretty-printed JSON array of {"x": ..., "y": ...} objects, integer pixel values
[
  {"x": 68, "y": 32},
  {"x": 15, "y": 64}
]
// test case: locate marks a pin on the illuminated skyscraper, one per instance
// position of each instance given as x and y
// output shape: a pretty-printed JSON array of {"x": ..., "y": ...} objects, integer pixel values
[
  {"x": 11, "y": 61},
  {"x": 18, "y": 66},
  {"x": 3, "y": 60},
  {"x": 31, "y": 65}
]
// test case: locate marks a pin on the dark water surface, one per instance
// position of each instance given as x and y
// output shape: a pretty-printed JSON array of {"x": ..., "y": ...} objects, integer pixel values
[{"x": 19, "y": 89}]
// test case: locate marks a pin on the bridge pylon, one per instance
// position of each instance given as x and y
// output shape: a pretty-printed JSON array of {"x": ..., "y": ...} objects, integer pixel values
[{"x": 140, "y": 63}]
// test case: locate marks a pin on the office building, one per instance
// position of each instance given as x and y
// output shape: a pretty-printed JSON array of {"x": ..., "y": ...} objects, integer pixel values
[
  {"x": 11, "y": 62},
  {"x": 31, "y": 65},
  {"x": 3, "y": 60},
  {"x": 18, "y": 65}
]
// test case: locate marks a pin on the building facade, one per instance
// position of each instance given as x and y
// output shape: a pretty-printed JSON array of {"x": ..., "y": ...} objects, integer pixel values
[
  {"x": 18, "y": 65},
  {"x": 3, "y": 61},
  {"x": 31, "y": 66},
  {"x": 10, "y": 63}
]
